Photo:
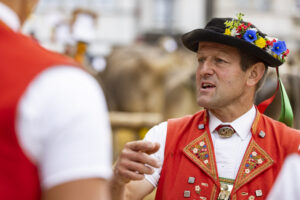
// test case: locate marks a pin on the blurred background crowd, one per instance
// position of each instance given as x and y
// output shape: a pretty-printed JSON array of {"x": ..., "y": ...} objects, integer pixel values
[{"x": 133, "y": 48}]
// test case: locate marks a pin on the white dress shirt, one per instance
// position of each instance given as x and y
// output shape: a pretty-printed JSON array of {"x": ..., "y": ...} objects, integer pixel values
[
  {"x": 229, "y": 152},
  {"x": 62, "y": 122}
]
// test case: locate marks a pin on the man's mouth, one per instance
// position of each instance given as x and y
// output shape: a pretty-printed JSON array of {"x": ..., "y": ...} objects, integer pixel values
[{"x": 207, "y": 86}]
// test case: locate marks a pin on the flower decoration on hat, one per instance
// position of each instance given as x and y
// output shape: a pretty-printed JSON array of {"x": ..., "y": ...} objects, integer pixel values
[{"x": 243, "y": 30}]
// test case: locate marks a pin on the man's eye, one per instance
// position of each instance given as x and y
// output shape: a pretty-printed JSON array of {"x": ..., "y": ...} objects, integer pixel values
[
  {"x": 219, "y": 60},
  {"x": 201, "y": 60}
]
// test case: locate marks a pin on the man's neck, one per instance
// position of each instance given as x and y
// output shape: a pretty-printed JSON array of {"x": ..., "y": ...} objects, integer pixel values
[{"x": 230, "y": 114}]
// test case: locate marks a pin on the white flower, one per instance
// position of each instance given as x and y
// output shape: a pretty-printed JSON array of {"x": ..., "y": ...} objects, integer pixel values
[
  {"x": 234, "y": 32},
  {"x": 202, "y": 144},
  {"x": 259, "y": 161},
  {"x": 197, "y": 188},
  {"x": 253, "y": 29},
  {"x": 254, "y": 153},
  {"x": 271, "y": 38},
  {"x": 205, "y": 161},
  {"x": 195, "y": 150},
  {"x": 269, "y": 50},
  {"x": 247, "y": 171}
]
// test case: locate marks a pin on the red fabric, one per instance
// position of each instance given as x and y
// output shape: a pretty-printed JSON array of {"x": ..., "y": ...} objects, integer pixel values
[
  {"x": 224, "y": 125},
  {"x": 278, "y": 142},
  {"x": 21, "y": 60}
]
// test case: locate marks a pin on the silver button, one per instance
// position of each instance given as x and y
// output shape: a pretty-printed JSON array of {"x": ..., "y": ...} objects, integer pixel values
[
  {"x": 201, "y": 126},
  {"x": 187, "y": 194},
  {"x": 258, "y": 193},
  {"x": 191, "y": 179},
  {"x": 262, "y": 134}
]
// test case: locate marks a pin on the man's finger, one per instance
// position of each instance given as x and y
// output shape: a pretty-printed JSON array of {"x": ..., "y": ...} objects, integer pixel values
[
  {"x": 155, "y": 148},
  {"x": 139, "y": 167},
  {"x": 144, "y": 146},
  {"x": 144, "y": 158},
  {"x": 124, "y": 175},
  {"x": 128, "y": 155}
]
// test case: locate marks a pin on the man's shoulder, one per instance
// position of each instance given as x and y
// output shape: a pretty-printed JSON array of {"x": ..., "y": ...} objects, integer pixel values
[
  {"x": 277, "y": 126},
  {"x": 286, "y": 137},
  {"x": 186, "y": 118},
  {"x": 186, "y": 123}
]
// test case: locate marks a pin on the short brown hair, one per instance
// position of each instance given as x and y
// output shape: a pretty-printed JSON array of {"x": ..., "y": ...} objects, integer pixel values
[{"x": 249, "y": 60}]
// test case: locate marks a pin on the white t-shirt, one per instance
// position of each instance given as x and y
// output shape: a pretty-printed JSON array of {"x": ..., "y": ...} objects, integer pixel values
[
  {"x": 62, "y": 122},
  {"x": 229, "y": 152},
  {"x": 63, "y": 126}
]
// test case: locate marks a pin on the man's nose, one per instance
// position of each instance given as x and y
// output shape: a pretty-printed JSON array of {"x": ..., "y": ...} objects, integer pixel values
[{"x": 205, "y": 68}]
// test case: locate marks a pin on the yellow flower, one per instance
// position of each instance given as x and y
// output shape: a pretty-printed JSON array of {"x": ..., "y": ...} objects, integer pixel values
[
  {"x": 261, "y": 42},
  {"x": 227, "y": 31}
]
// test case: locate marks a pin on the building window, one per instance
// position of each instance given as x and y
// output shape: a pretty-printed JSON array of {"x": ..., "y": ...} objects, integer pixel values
[
  {"x": 163, "y": 14},
  {"x": 262, "y": 5}
]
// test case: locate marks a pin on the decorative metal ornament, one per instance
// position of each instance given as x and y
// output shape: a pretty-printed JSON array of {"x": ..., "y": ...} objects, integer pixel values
[
  {"x": 201, "y": 126},
  {"x": 225, "y": 131}
]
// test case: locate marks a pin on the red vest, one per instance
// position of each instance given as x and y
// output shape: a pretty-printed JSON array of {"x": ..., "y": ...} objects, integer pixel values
[
  {"x": 189, "y": 152},
  {"x": 21, "y": 60}
]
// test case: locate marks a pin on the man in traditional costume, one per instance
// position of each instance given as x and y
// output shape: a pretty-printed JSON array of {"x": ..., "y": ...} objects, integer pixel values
[{"x": 230, "y": 142}]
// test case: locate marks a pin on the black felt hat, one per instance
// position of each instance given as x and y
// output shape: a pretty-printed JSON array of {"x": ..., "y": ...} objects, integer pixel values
[{"x": 215, "y": 30}]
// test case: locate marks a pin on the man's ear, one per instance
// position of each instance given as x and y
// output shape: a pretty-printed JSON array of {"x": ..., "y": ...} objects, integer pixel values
[{"x": 256, "y": 72}]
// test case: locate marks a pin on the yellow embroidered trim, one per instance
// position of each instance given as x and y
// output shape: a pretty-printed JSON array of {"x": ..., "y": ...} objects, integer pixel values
[
  {"x": 226, "y": 180},
  {"x": 244, "y": 177},
  {"x": 255, "y": 123},
  {"x": 209, "y": 167},
  {"x": 213, "y": 193},
  {"x": 205, "y": 116}
]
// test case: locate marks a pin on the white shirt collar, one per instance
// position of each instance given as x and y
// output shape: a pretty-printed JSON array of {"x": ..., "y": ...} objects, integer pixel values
[
  {"x": 9, "y": 17},
  {"x": 241, "y": 125}
]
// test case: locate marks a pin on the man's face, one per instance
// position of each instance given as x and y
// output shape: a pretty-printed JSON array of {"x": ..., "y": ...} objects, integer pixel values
[{"x": 220, "y": 80}]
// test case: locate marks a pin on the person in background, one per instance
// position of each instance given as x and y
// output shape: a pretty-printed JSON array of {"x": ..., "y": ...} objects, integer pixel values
[
  {"x": 228, "y": 149},
  {"x": 55, "y": 136},
  {"x": 288, "y": 181}
]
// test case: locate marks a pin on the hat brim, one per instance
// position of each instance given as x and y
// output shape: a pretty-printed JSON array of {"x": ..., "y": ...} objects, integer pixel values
[{"x": 191, "y": 41}]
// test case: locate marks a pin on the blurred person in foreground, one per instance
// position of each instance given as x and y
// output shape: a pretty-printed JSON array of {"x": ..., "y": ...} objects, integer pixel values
[
  {"x": 55, "y": 137},
  {"x": 230, "y": 150},
  {"x": 288, "y": 182}
]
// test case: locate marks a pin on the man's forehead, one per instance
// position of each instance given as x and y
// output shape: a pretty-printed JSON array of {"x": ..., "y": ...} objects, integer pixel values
[{"x": 202, "y": 46}]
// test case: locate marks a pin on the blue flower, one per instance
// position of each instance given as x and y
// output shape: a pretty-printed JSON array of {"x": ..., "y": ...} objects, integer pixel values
[
  {"x": 247, "y": 165},
  {"x": 250, "y": 35},
  {"x": 279, "y": 47},
  {"x": 206, "y": 155}
]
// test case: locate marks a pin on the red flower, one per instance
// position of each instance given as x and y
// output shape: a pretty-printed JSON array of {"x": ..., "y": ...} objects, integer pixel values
[
  {"x": 270, "y": 43},
  {"x": 286, "y": 53},
  {"x": 241, "y": 27}
]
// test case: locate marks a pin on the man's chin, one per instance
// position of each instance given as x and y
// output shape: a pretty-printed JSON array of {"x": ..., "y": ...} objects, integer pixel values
[{"x": 205, "y": 103}]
